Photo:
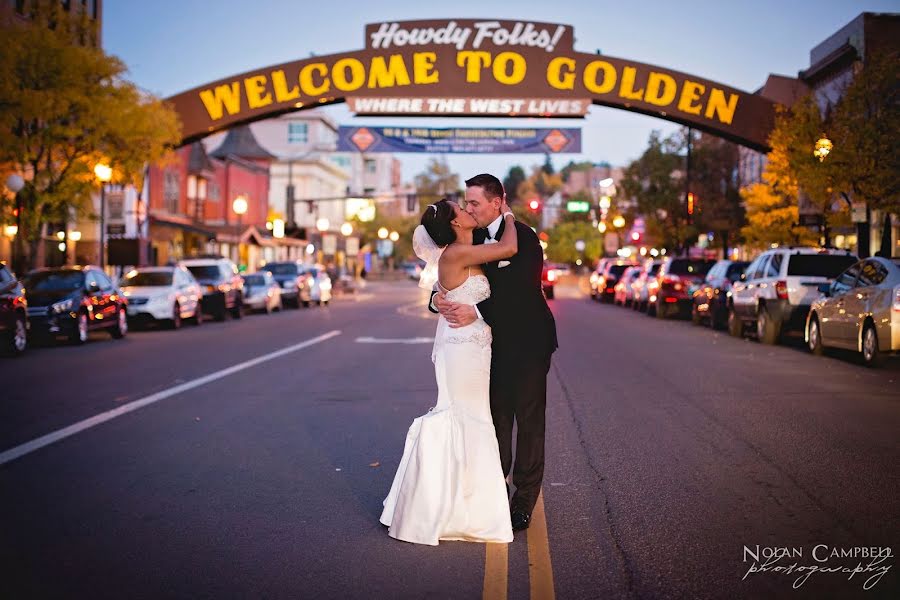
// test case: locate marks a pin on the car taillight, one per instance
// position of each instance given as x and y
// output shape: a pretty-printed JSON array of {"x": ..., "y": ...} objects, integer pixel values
[
  {"x": 781, "y": 290},
  {"x": 897, "y": 298},
  {"x": 670, "y": 279}
]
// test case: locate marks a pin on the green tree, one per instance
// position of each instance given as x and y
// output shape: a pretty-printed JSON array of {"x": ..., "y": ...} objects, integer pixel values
[
  {"x": 562, "y": 239},
  {"x": 575, "y": 166},
  {"x": 714, "y": 182},
  {"x": 512, "y": 181},
  {"x": 64, "y": 107},
  {"x": 655, "y": 181},
  {"x": 435, "y": 182},
  {"x": 865, "y": 129}
]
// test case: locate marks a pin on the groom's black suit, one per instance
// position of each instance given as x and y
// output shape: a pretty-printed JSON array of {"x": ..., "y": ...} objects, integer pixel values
[{"x": 524, "y": 334}]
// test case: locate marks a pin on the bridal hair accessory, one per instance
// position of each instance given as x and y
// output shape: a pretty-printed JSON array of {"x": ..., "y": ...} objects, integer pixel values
[{"x": 427, "y": 250}]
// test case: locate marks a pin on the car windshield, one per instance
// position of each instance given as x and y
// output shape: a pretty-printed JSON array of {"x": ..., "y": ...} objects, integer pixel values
[
  {"x": 686, "y": 266},
  {"x": 281, "y": 269},
  {"x": 254, "y": 280},
  {"x": 820, "y": 265},
  {"x": 204, "y": 271},
  {"x": 148, "y": 278},
  {"x": 735, "y": 270},
  {"x": 54, "y": 281},
  {"x": 617, "y": 269}
]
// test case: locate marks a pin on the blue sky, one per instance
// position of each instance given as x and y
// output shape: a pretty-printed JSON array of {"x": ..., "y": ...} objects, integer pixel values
[{"x": 170, "y": 46}]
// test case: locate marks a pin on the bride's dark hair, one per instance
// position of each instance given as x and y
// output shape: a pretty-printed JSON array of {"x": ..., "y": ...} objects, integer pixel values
[{"x": 436, "y": 222}]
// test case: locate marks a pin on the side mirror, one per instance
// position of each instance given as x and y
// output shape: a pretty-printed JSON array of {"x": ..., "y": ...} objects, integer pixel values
[{"x": 824, "y": 288}]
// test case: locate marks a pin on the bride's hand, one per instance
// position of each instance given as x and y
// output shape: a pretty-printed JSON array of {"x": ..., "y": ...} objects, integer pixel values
[{"x": 504, "y": 207}]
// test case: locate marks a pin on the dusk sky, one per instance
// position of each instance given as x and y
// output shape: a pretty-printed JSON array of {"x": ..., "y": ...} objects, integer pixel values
[{"x": 170, "y": 46}]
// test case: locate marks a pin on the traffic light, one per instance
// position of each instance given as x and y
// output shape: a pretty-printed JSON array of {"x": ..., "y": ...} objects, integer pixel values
[
  {"x": 690, "y": 206},
  {"x": 535, "y": 205}
]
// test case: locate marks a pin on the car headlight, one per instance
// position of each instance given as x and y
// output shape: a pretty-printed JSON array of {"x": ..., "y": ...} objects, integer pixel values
[{"x": 62, "y": 306}]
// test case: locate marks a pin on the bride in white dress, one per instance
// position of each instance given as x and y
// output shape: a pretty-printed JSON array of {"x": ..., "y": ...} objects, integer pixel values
[{"x": 450, "y": 485}]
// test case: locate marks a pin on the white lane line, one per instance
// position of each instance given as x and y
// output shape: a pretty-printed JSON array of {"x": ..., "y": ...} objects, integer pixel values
[
  {"x": 415, "y": 340},
  {"x": 45, "y": 440}
]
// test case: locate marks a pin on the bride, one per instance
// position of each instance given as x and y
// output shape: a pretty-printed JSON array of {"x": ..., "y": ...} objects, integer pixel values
[{"x": 450, "y": 485}]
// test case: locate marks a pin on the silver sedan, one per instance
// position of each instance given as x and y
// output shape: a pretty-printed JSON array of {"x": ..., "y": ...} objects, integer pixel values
[{"x": 859, "y": 311}]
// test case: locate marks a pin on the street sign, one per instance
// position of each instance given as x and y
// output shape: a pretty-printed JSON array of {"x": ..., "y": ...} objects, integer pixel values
[
  {"x": 858, "y": 212},
  {"x": 115, "y": 229},
  {"x": 578, "y": 206}
]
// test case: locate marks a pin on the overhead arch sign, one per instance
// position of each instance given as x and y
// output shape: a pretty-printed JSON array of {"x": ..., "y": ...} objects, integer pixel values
[{"x": 469, "y": 67}]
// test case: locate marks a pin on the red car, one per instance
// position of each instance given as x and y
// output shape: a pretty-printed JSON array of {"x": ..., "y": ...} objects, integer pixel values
[
  {"x": 677, "y": 280},
  {"x": 549, "y": 277},
  {"x": 13, "y": 313}
]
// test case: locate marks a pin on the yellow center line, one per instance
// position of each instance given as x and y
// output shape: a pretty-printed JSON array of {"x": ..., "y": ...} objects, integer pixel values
[
  {"x": 540, "y": 569},
  {"x": 496, "y": 571}
]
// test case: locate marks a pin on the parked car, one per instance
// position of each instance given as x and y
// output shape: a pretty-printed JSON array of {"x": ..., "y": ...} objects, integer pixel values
[
  {"x": 162, "y": 294},
  {"x": 72, "y": 301},
  {"x": 710, "y": 302},
  {"x": 595, "y": 275},
  {"x": 859, "y": 311},
  {"x": 316, "y": 286},
  {"x": 549, "y": 277},
  {"x": 291, "y": 278},
  {"x": 775, "y": 293},
  {"x": 413, "y": 269},
  {"x": 262, "y": 292},
  {"x": 677, "y": 280},
  {"x": 623, "y": 294},
  {"x": 606, "y": 282},
  {"x": 645, "y": 286},
  {"x": 223, "y": 288},
  {"x": 13, "y": 313}
]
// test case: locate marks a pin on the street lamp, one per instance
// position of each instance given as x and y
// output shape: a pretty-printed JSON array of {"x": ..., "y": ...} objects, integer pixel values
[
  {"x": 394, "y": 236},
  {"x": 104, "y": 175},
  {"x": 601, "y": 227},
  {"x": 239, "y": 206},
  {"x": 322, "y": 224},
  {"x": 823, "y": 147},
  {"x": 15, "y": 183},
  {"x": 346, "y": 229},
  {"x": 619, "y": 222},
  {"x": 383, "y": 233}
]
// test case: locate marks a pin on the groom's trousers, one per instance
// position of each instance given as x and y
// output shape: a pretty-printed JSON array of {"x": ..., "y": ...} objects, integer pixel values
[{"x": 519, "y": 395}]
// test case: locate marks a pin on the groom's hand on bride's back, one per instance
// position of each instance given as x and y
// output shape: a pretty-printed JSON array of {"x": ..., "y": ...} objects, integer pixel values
[{"x": 458, "y": 315}]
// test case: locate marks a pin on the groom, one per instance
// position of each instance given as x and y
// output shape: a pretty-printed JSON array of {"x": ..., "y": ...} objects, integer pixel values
[{"x": 524, "y": 334}]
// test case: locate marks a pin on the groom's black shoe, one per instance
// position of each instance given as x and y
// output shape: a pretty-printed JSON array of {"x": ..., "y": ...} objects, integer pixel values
[{"x": 520, "y": 520}]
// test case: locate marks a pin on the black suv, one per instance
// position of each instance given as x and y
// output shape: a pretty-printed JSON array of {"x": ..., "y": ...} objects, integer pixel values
[
  {"x": 290, "y": 275},
  {"x": 223, "y": 287},
  {"x": 13, "y": 314},
  {"x": 71, "y": 301}
]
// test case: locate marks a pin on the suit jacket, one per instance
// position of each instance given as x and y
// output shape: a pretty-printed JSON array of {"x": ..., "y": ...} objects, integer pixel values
[{"x": 523, "y": 325}]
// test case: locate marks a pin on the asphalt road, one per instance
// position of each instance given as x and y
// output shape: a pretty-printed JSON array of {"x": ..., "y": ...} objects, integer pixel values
[{"x": 672, "y": 451}]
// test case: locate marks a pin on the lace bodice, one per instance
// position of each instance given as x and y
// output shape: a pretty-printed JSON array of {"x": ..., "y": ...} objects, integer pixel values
[{"x": 471, "y": 291}]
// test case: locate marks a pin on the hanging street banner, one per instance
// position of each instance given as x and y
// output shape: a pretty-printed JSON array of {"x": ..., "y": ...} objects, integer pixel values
[
  {"x": 475, "y": 67},
  {"x": 459, "y": 140}
]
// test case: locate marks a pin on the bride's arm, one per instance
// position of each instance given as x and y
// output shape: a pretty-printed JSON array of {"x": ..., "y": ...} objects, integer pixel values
[{"x": 506, "y": 247}]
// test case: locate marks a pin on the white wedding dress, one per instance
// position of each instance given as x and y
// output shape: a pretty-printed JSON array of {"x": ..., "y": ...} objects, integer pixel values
[{"x": 450, "y": 485}]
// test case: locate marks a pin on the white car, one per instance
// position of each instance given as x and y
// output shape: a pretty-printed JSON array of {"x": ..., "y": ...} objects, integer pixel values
[
  {"x": 164, "y": 294},
  {"x": 262, "y": 292},
  {"x": 776, "y": 291},
  {"x": 316, "y": 286}
]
